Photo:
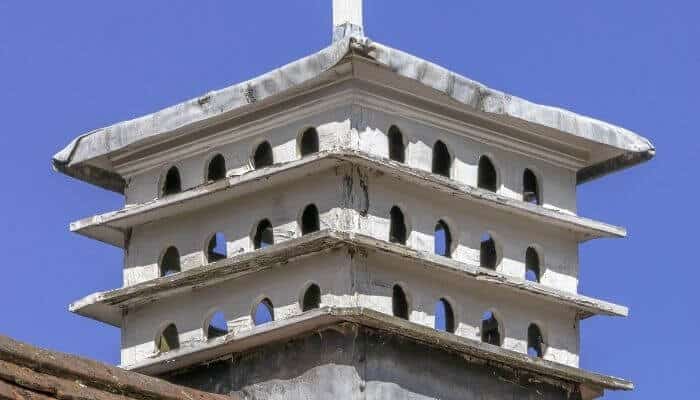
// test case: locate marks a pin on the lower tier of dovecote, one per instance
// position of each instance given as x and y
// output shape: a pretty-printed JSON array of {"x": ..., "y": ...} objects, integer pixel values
[
  {"x": 349, "y": 279},
  {"x": 349, "y": 362}
]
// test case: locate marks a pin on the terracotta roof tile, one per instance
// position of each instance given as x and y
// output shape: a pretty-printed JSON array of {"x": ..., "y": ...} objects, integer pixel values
[{"x": 28, "y": 372}]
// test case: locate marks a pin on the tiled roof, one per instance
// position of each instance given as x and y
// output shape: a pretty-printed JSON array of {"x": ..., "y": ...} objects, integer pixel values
[{"x": 28, "y": 372}]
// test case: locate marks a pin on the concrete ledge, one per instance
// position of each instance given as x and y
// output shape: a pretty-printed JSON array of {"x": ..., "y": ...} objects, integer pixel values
[
  {"x": 108, "y": 306},
  {"x": 325, "y": 318},
  {"x": 111, "y": 227}
]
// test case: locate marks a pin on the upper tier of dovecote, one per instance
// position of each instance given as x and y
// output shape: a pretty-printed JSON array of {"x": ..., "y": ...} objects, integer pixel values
[
  {"x": 462, "y": 150},
  {"x": 589, "y": 147}
]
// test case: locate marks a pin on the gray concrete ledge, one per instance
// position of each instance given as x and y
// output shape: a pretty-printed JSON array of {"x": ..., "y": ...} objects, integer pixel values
[
  {"x": 111, "y": 227},
  {"x": 78, "y": 158},
  {"x": 326, "y": 318},
  {"x": 108, "y": 306}
]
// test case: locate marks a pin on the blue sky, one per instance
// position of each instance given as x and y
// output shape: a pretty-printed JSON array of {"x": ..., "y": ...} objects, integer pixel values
[{"x": 71, "y": 66}]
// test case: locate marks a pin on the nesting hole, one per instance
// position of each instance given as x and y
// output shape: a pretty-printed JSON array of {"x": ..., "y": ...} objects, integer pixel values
[
  {"x": 217, "y": 325},
  {"x": 310, "y": 220},
  {"x": 216, "y": 248},
  {"x": 397, "y": 229},
  {"x": 264, "y": 312},
  {"x": 443, "y": 239},
  {"x": 535, "y": 341},
  {"x": 172, "y": 184},
  {"x": 170, "y": 262},
  {"x": 312, "y": 298},
  {"x": 399, "y": 302},
  {"x": 532, "y": 265},
  {"x": 263, "y": 156},
  {"x": 308, "y": 143},
  {"x": 488, "y": 180},
  {"x": 217, "y": 168},
  {"x": 397, "y": 149},
  {"x": 489, "y": 253},
  {"x": 531, "y": 189},
  {"x": 442, "y": 161},
  {"x": 444, "y": 316},
  {"x": 490, "y": 330},
  {"x": 264, "y": 235},
  {"x": 168, "y": 339}
]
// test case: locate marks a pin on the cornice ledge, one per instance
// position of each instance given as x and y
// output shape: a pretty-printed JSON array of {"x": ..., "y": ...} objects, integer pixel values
[
  {"x": 108, "y": 306},
  {"x": 105, "y": 227}
]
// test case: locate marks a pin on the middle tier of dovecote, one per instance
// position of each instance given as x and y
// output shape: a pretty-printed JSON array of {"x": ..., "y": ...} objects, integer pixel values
[{"x": 339, "y": 195}]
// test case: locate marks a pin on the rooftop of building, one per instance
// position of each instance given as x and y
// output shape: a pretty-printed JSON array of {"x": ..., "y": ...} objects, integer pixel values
[{"x": 28, "y": 372}]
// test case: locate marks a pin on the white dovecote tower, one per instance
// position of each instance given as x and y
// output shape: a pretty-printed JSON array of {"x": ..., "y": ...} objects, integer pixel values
[{"x": 360, "y": 223}]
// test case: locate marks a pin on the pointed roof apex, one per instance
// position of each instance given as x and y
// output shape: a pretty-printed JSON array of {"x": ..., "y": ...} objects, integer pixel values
[{"x": 347, "y": 19}]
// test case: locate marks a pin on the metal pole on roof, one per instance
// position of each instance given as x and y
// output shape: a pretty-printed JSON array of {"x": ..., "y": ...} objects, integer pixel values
[{"x": 347, "y": 19}]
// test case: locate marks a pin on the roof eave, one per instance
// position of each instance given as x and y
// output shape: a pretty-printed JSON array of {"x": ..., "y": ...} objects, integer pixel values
[
  {"x": 616, "y": 164},
  {"x": 97, "y": 176}
]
